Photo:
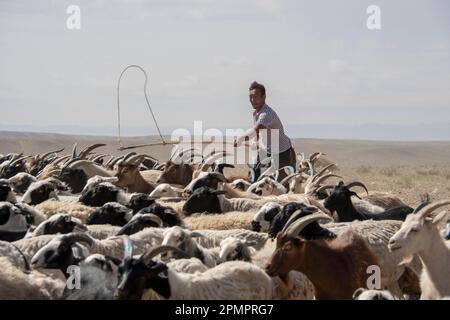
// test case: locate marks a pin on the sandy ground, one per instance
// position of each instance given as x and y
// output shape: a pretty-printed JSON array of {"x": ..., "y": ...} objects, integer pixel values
[{"x": 407, "y": 169}]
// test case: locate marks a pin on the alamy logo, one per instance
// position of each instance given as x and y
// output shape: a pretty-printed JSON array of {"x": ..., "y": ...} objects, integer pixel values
[
  {"x": 374, "y": 19},
  {"x": 374, "y": 280},
  {"x": 73, "y": 22},
  {"x": 74, "y": 280}
]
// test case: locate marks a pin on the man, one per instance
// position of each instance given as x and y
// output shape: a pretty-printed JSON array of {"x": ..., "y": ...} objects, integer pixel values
[{"x": 264, "y": 117}]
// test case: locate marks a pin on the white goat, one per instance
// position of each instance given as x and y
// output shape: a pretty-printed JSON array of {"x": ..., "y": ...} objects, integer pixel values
[{"x": 419, "y": 235}]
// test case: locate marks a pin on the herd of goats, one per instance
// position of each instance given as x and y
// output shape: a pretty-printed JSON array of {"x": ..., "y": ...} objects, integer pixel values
[{"x": 95, "y": 226}]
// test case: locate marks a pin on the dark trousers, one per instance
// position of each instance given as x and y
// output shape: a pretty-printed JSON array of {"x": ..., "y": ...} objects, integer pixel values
[{"x": 285, "y": 158}]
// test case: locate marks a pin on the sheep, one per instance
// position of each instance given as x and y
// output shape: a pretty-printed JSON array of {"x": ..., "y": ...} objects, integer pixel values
[
  {"x": 6, "y": 193},
  {"x": 340, "y": 201},
  {"x": 102, "y": 231},
  {"x": 229, "y": 220},
  {"x": 166, "y": 190},
  {"x": 206, "y": 199},
  {"x": 58, "y": 223},
  {"x": 11, "y": 167},
  {"x": 420, "y": 235},
  {"x": 241, "y": 184},
  {"x": 235, "y": 249},
  {"x": 111, "y": 213},
  {"x": 75, "y": 209},
  {"x": 98, "y": 194},
  {"x": 348, "y": 256},
  {"x": 365, "y": 294},
  {"x": 99, "y": 276},
  {"x": 17, "y": 285},
  {"x": 263, "y": 218},
  {"x": 139, "y": 201},
  {"x": 112, "y": 246},
  {"x": 267, "y": 186},
  {"x": 32, "y": 215},
  {"x": 237, "y": 280},
  {"x": 183, "y": 239},
  {"x": 43, "y": 190},
  {"x": 13, "y": 224},
  {"x": 15, "y": 255},
  {"x": 21, "y": 181}
]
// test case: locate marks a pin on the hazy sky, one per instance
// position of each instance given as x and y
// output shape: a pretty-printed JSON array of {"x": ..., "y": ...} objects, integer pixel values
[{"x": 323, "y": 69}]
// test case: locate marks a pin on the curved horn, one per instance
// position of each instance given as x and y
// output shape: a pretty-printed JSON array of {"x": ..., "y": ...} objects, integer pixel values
[
  {"x": 295, "y": 228},
  {"x": 325, "y": 177},
  {"x": 13, "y": 163},
  {"x": 128, "y": 155},
  {"x": 113, "y": 161},
  {"x": 74, "y": 151},
  {"x": 291, "y": 219},
  {"x": 322, "y": 171},
  {"x": 325, "y": 187},
  {"x": 289, "y": 177},
  {"x": 45, "y": 155},
  {"x": 211, "y": 158},
  {"x": 79, "y": 237},
  {"x": 357, "y": 184},
  {"x": 154, "y": 218},
  {"x": 24, "y": 257},
  {"x": 100, "y": 156},
  {"x": 428, "y": 209},
  {"x": 59, "y": 159},
  {"x": 83, "y": 154},
  {"x": 160, "y": 249},
  {"x": 136, "y": 159},
  {"x": 70, "y": 162}
]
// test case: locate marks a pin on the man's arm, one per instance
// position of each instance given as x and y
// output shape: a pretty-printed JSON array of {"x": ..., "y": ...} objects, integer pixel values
[{"x": 248, "y": 134}]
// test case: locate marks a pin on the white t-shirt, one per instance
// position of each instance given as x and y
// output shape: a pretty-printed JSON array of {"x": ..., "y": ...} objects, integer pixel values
[{"x": 274, "y": 140}]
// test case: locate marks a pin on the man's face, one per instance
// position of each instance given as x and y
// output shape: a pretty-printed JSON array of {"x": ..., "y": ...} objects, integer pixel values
[{"x": 257, "y": 99}]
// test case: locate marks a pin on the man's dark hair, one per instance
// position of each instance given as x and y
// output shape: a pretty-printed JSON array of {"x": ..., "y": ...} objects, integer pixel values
[{"x": 259, "y": 86}]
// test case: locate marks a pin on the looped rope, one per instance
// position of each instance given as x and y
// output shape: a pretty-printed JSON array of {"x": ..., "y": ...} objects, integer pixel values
[{"x": 146, "y": 99}]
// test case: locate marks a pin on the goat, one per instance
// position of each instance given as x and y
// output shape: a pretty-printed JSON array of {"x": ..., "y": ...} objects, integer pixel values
[
  {"x": 320, "y": 260},
  {"x": 13, "y": 224},
  {"x": 236, "y": 280},
  {"x": 129, "y": 176},
  {"x": 419, "y": 235},
  {"x": 340, "y": 201}
]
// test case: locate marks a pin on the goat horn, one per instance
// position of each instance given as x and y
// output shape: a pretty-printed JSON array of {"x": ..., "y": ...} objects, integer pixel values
[
  {"x": 301, "y": 223},
  {"x": 321, "y": 172},
  {"x": 83, "y": 154},
  {"x": 45, "y": 155},
  {"x": 100, "y": 156},
  {"x": 128, "y": 155},
  {"x": 60, "y": 159},
  {"x": 136, "y": 159},
  {"x": 328, "y": 186},
  {"x": 325, "y": 177},
  {"x": 78, "y": 162},
  {"x": 79, "y": 237},
  {"x": 289, "y": 177},
  {"x": 291, "y": 219},
  {"x": 428, "y": 209},
  {"x": 147, "y": 257},
  {"x": 357, "y": 184},
  {"x": 13, "y": 163},
  {"x": 70, "y": 162},
  {"x": 74, "y": 151},
  {"x": 152, "y": 217}
]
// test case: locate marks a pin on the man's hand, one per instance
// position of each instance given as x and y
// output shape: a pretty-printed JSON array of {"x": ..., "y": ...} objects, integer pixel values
[{"x": 235, "y": 143}]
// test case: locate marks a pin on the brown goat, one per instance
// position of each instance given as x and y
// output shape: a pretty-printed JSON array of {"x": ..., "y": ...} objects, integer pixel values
[
  {"x": 335, "y": 267},
  {"x": 130, "y": 178},
  {"x": 176, "y": 173}
]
